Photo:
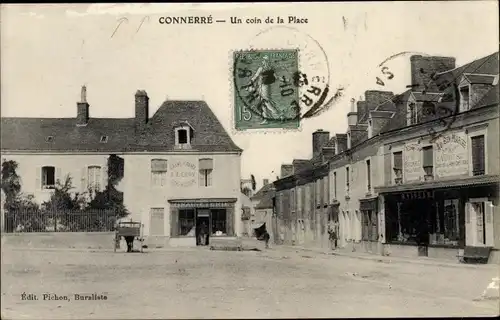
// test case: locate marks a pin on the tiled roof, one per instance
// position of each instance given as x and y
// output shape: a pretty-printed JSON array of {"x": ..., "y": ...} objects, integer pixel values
[
  {"x": 260, "y": 193},
  {"x": 485, "y": 65},
  {"x": 267, "y": 200},
  {"x": 490, "y": 98},
  {"x": 399, "y": 118},
  {"x": 30, "y": 134}
]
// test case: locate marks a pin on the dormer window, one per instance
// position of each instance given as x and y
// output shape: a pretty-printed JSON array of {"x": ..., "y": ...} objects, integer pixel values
[
  {"x": 49, "y": 139},
  {"x": 464, "y": 98},
  {"x": 104, "y": 139},
  {"x": 183, "y": 136},
  {"x": 412, "y": 112}
]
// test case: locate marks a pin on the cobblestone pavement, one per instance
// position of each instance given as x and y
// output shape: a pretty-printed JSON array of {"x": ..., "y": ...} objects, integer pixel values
[{"x": 198, "y": 283}]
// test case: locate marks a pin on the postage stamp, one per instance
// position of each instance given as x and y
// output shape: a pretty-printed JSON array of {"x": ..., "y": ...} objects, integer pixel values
[{"x": 266, "y": 91}]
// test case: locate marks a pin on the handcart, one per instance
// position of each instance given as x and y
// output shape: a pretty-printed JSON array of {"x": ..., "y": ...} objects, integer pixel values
[{"x": 130, "y": 231}]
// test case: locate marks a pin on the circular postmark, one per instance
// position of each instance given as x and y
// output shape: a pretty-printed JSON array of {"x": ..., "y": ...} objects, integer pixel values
[{"x": 283, "y": 77}]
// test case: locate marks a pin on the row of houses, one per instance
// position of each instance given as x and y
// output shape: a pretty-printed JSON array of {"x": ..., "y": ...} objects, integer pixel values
[{"x": 415, "y": 173}]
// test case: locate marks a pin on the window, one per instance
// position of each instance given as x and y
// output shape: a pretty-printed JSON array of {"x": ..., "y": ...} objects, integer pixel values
[
  {"x": 159, "y": 172},
  {"x": 347, "y": 179},
  {"x": 299, "y": 198},
  {"x": 318, "y": 192},
  {"x": 186, "y": 222},
  {"x": 398, "y": 166},
  {"x": 412, "y": 109},
  {"x": 94, "y": 178},
  {"x": 335, "y": 185},
  {"x": 48, "y": 177},
  {"x": 292, "y": 200},
  {"x": 428, "y": 162},
  {"x": 464, "y": 98},
  {"x": 157, "y": 226},
  {"x": 104, "y": 139},
  {"x": 369, "y": 175},
  {"x": 451, "y": 222},
  {"x": 219, "y": 218},
  {"x": 183, "y": 135},
  {"x": 325, "y": 191},
  {"x": 206, "y": 170},
  {"x": 348, "y": 140},
  {"x": 478, "y": 163}
]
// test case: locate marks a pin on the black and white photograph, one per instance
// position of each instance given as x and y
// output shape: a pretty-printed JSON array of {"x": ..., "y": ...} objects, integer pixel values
[{"x": 250, "y": 160}]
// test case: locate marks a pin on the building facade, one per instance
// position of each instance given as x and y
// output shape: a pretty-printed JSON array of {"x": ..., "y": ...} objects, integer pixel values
[
  {"x": 180, "y": 167},
  {"x": 416, "y": 173}
]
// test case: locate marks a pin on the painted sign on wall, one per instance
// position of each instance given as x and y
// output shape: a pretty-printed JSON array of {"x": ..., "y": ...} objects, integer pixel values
[
  {"x": 412, "y": 161},
  {"x": 183, "y": 173},
  {"x": 451, "y": 155}
]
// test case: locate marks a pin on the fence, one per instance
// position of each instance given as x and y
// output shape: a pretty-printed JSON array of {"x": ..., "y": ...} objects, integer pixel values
[{"x": 59, "y": 221}]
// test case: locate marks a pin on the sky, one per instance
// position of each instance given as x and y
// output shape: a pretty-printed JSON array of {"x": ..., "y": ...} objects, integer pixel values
[{"x": 50, "y": 51}]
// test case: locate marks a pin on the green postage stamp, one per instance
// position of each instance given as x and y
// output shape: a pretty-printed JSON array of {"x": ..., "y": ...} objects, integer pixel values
[{"x": 266, "y": 89}]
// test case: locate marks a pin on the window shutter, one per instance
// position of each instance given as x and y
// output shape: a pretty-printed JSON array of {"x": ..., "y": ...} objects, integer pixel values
[
  {"x": 58, "y": 177},
  {"x": 230, "y": 221},
  {"x": 104, "y": 177},
  {"x": 174, "y": 221},
  {"x": 38, "y": 178},
  {"x": 488, "y": 212},
  {"x": 398, "y": 160},
  {"x": 468, "y": 225},
  {"x": 157, "y": 222},
  {"x": 84, "y": 179},
  {"x": 428, "y": 158},
  {"x": 209, "y": 177},
  {"x": 477, "y": 153}
]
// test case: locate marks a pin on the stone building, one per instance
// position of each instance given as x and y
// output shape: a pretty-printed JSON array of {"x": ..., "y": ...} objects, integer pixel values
[
  {"x": 407, "y": 160},
  {"x": 180, "y": 167}
]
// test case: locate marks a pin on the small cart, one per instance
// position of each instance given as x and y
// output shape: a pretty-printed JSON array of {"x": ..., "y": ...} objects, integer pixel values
[{"x": 130, "y": 231}]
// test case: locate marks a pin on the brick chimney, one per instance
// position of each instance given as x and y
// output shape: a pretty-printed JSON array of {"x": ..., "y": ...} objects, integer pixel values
[
  {"x": 423, "y": 68},
  {"x": 141, "y": 109},
  {"x": 320, "y": 138},
  {"x": 265, "y": 182},
  {"x": 362, "y": 113},
  {"x": 341, "y": 142},
  {"x": 352, "y": 117},
  {"x": 82, "y": 109},
  {"x": 286, "y": 170}
]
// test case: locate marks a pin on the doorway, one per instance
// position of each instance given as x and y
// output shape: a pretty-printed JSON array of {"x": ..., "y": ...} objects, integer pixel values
[{"x": 202, "y": 227}]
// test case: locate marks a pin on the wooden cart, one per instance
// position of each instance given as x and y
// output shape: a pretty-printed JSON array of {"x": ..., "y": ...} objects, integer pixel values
[{"x": 129, "y": 230}]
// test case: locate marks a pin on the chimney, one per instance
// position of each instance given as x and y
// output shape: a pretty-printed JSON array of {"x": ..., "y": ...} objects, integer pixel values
[
  {"x": 141, "y": 109},
  {"x": 362, "y": 111},
  {"x": 265, "y": 182},
  {"x": 341, "y": 142},
  {"x": 320, "y": 139},
  {"x": 82, "y": 109},
  {"x": 286, "y": 170},
  {"x": 424, "y": 68},
  {"x": 352, "y": 117}
]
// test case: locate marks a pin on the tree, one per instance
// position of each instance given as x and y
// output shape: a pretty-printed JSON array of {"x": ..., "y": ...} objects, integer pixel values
[
  {"x": 254, "y": 184},
  {"x": 11, "y": 183},
  {"x": 246, "y": 191}
]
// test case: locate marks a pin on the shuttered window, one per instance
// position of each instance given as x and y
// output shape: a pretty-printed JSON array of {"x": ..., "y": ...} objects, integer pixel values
[
  {"x": 335, "y": 185},
  {"x": 325, "y": 191},
  {"x": 292, "y": 200},
  {"x": 368, "y": 175},
  {"x": 94, "y": 178},
  {"x": 347, "y": 180},
  {"x": 478, "y": 165},
  {"x": 159, "y": 172},
  {"x": 398, "y": 166},
  {"x": 206, "y": 170},
  {"x": 157, "y": 227},
  {"x": 428, "y": 162}
]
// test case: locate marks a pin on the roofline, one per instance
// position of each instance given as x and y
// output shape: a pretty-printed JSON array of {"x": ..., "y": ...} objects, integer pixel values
[
  {"x": 121, "y": 152},
  {"x": 486, "y": 56}
]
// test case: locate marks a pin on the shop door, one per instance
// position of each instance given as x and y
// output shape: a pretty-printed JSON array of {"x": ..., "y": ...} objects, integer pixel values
[{"x": 479, "y": 224}]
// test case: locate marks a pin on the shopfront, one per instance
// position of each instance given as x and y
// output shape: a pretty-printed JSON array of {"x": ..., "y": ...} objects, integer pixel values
[
  {"x": 439, "y": 222},
  {"x": 197, "y": 221}
]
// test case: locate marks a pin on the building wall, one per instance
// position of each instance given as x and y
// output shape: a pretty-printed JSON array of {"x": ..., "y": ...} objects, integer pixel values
[
  {"x": 74, "y": 165},
  {"x": 141, "y": 195}
]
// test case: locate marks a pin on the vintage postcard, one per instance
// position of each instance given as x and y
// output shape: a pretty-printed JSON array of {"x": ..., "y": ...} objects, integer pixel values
[{"x": 250, "y": 160}]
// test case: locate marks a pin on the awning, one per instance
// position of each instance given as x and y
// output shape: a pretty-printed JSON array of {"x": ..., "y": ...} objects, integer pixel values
[
  {"x": 442, "y": 183},
  {"x": 206, "y": 164}
]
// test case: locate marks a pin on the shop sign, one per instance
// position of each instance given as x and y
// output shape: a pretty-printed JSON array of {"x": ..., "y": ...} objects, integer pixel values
[
  {"x": 451, "y": 155},
  {"x": 201, "y": 205},
  {"x": 183, "y": 173},
  {"x": 413, "y": 195},
  {"x": 412, "y": 161}
]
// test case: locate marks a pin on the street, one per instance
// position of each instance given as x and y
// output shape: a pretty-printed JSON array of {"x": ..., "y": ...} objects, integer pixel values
[{"x": 198, "y": 283}]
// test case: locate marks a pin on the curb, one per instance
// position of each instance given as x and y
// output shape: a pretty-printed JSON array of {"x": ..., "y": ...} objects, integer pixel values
[{"x": 380, "y": 258}]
